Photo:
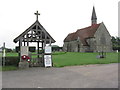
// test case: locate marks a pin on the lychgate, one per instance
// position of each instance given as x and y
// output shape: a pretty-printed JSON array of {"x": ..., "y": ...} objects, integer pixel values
[{"x": 35, "y": 33}]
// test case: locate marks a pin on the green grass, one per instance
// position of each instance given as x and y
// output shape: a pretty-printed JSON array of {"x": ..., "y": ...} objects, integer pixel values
[
  {"x": 61, "y": 59},
  {"x": 12, "y": 54},
  {"x": 74, "y": 58},
  {"x": 8, "y": 68},
  {"x": 58, "y": 53}
]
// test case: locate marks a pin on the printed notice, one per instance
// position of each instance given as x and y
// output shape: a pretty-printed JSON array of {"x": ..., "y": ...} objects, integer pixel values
[{"x": 47, "y": 60}]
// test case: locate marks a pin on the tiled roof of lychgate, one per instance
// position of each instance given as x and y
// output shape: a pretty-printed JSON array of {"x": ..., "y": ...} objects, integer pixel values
[{"x": 83, "y": 33}]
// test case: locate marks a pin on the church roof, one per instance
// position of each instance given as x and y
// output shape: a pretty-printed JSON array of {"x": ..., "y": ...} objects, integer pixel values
[
  {"x": 83, "y": 34},
  {"x": 69, "y": 37}
]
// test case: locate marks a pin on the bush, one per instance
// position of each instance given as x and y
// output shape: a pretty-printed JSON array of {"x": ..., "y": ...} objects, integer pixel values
[
  {"x": 116, "y": 48},
  {"x": 31, "y": 49},
  {"x": 8, "y": 50},
  {"x": 11, "y": 61},
  {"x": 56, "y": 48}
]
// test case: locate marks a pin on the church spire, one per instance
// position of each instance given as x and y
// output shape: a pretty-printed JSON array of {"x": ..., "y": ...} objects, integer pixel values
[{"x": 94, "y": 17}]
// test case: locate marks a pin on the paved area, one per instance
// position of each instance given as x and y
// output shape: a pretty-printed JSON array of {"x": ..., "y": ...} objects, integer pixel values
[{"x": 91, "y": 76}]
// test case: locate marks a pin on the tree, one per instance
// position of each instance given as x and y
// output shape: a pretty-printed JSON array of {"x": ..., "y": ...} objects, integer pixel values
[
  {"x": 56, "y": 48},
  {"x": 116, "y": 43},
  {"x": 8, "y": 50}
]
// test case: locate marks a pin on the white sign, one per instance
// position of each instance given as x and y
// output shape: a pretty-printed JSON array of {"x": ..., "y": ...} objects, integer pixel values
[
  {"x": 4, "y": 54},
  {"x": 48, "y": 49},
  {"x": 47, "y": 60}
]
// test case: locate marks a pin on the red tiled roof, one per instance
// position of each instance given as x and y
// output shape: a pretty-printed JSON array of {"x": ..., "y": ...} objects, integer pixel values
[
  {"x": 69, "y": 37},
  {"x": 83, "y": 33}
]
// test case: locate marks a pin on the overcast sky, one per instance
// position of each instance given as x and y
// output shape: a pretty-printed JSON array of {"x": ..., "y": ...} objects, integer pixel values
[{"x": 59, "y": 17}]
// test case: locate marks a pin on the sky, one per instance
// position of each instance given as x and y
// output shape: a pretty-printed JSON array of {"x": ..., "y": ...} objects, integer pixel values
[{"x": 58, "y": 17}]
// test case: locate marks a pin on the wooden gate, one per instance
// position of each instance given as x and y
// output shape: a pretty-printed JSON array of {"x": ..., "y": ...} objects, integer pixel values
[{"x": 35, "y": 61}]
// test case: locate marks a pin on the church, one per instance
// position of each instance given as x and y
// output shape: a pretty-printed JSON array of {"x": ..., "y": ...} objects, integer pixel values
[{"x": 94, "y": 38}]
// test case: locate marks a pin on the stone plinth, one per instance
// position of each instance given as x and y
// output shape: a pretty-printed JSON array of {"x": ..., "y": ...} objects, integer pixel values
[{"x": 23, "y": 64}]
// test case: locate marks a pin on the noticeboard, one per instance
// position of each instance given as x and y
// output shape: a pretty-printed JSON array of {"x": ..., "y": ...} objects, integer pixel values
[
  {"x": 47, "y": 60},
  {"x": 48, "y": 49}
]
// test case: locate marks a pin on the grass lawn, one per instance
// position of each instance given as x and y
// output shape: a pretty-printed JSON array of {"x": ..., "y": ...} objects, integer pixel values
[
  {"x": 61, "y": 59},
  {"x": 75, "y": 58},
  {"x": 12, "y": 54},
  {"x": 8, "y": 68}
]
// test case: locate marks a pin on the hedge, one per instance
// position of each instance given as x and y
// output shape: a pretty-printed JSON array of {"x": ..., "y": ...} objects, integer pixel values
[
  {"x": 31, "y": 49},
  {"x": 116, "y": 48},
  {"x": 11, "y": 61}
]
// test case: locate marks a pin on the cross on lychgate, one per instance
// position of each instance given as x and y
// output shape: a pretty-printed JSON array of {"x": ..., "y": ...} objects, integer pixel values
[{"x": 37, "y": 15}]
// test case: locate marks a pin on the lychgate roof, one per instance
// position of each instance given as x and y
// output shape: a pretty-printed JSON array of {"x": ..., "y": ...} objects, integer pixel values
[
  {"x": 83, "y": 34},
  {"x": 35, "y": 33}
]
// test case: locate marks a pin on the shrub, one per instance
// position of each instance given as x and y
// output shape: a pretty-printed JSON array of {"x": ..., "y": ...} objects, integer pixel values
[
  {"x": 11, "y": 61},
  {"x": 116, "y": 48},
  {"x": 31, "y": 49}
]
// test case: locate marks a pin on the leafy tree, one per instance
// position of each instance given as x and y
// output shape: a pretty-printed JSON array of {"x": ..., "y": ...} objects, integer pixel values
[
  {"x": 116, "y": 43},
  {"x": 56, "y": 48},
  {"x": 8, "y": 50}
]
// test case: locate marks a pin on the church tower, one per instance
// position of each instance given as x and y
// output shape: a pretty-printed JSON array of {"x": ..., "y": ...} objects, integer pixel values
[{"x": 94, "y": 17}]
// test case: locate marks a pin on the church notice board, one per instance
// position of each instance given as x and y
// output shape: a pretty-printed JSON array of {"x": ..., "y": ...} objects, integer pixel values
[
  {"x": 48, "y": 57},
  {"x": 48, "y": 49},
  {"x": 47, "y": 60}
]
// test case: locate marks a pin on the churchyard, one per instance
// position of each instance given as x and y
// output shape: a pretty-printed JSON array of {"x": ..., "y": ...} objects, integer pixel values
[
  {"x": 61, "y": 59},
  {"x": 75, "y": 58},
  {"x": 42, "y": 54}
]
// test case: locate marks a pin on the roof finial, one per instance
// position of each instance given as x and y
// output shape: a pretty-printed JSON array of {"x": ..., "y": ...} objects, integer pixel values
[{"x": 37, "y": 15}]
